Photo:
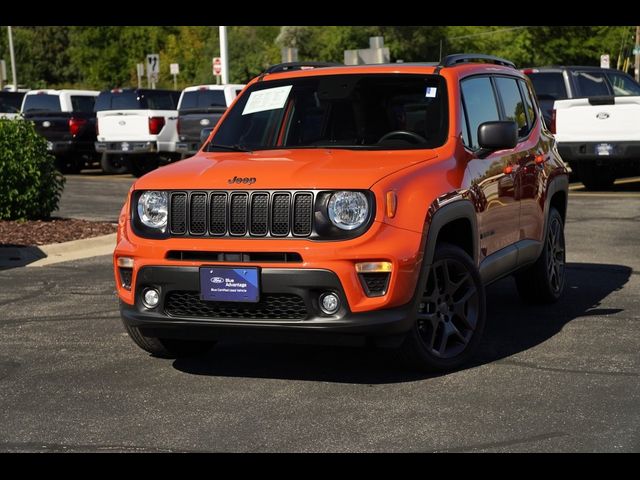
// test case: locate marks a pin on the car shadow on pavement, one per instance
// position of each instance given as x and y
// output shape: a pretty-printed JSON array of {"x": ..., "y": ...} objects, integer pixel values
[
  {"x": 512, "y": 327},
  {"x": 13, "y": 256}
]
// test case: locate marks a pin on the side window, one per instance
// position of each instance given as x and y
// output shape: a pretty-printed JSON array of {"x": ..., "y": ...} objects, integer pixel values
[
  {"x": 512, "y": 103},
  {"x": 591, "y": 84},
  {"x": 480, "y": 106},
  {"x": 82, "y": 103},
  {"x": 528, "y": 102}
]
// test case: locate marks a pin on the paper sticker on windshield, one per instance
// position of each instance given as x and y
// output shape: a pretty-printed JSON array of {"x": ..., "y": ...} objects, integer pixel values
[
  {"x": 267, "y": 99},
  {"x": 431, "y": 92}
]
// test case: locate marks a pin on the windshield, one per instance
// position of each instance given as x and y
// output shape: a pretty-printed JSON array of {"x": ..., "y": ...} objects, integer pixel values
[
  {"x": 623, "y": 85},
  {"x": 389, "y": 111}
]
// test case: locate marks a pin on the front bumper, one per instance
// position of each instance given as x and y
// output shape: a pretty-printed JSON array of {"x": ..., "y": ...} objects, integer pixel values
[{"x": 307, "y": 284}]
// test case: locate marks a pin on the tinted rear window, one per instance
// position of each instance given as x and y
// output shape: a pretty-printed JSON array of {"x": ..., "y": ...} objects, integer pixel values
[
  {"x": 10, "y": 102},
  {"x": 82, "y": 103},
  {"x": 43, "y": 103},
  {"x": 137, "y": 100},
  {"x": 549, "y": 85},
  {"x": 203, "y": 99}
]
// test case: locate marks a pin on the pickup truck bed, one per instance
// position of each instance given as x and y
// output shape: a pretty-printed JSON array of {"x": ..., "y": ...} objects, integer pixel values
[{"x": 599, "y": 137}]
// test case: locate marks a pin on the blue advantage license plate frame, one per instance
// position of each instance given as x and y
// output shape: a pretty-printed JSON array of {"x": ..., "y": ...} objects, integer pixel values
[{"x": 230, "y": 284}]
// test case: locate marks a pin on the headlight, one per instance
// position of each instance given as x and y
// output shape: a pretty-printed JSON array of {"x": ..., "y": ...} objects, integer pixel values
[
  {"x": 348, "y": 210},
  {"x": 152, "y": 209}
]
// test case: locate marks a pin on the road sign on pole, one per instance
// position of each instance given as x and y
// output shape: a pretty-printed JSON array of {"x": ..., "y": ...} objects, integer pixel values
[
  {"x": 140, "y": 72},
  {"x": 217, "y": 66},
  {"x": 604, "y": 61},
  {"x": 174, "y": 68},
  {"x": 153, "y": 68}
]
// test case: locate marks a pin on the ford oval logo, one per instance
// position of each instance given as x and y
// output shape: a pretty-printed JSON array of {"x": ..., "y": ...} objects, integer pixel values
[
  {"x": 217, "y": 280},
  {"x": 122, "y": 122},
  {"x": 204, "y": 122},
  {"x": 46, "y": 123},
  {"x": 602, "y": 116}
]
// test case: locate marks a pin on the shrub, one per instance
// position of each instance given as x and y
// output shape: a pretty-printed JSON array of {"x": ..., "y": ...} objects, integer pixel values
[{"x": 30, "y": 185}]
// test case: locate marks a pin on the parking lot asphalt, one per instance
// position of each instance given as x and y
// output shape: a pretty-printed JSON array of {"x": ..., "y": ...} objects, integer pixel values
[
  {"x": 94, "y": 196},
  {"x": 564, "y": 377}
]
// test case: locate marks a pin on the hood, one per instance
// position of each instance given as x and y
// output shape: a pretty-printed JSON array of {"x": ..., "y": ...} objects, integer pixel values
[{"x": 283, "y": 169}]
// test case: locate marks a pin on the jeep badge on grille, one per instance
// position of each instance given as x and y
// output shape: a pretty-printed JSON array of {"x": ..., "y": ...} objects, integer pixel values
[{"x": 245, "y": 180}]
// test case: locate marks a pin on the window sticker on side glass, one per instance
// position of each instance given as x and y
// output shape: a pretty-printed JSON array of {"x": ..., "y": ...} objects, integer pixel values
[{"x": 267, "y": 99}]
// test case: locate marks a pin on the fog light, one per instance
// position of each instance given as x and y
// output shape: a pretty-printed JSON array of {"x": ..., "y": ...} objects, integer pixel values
[
  {"x": 329, "y": 303},
  {"x": 151, "y": 298}
]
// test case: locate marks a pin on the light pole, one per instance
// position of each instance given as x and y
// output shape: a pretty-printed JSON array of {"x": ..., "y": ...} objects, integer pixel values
[
  {"x": 224, "y": 55},
  {"x": 13, "y": 61}
]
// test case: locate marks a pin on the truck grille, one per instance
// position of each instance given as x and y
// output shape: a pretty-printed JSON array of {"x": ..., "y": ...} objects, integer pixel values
[
  {"x": 270, "y": 307},
  {"x": 241, "y": 214}
]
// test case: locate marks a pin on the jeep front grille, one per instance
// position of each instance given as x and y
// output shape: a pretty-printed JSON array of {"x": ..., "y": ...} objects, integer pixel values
[{"x": 241, "y": 214}]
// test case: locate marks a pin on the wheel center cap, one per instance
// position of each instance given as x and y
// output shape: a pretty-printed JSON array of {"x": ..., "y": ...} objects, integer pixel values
[{"x": 443, "y": 308}]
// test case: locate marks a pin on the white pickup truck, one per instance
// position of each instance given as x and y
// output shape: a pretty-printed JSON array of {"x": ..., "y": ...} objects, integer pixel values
[
  {"x": 595, "y": 116},
  {"x": 137, "y": 129}
]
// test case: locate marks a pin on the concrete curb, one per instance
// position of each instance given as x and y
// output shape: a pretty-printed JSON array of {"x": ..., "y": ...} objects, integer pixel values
[{"x": 76, "y": 250}]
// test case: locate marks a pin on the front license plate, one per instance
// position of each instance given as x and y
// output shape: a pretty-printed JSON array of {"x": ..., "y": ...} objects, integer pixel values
[
  {"x": 220, "y": 284},
  {"x": 604, "y": 149}
]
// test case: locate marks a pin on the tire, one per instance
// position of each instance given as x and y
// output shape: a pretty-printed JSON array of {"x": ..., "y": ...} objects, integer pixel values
[
  {"x": 143, "y": 164},
  {"x": 596, "y": 178},
  {"x": 543, "y": 282},
  {"x": 168, "y": 348},
  {"x": 68, "y": 164},
  {"x": 115, "y": 164},
  {"x": 449, "y": 313}
]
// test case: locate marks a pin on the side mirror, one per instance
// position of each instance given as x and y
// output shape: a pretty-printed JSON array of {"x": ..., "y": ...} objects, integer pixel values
[
  {"x": 494, "y": 136},
  {"x": 204, "y": 134}
]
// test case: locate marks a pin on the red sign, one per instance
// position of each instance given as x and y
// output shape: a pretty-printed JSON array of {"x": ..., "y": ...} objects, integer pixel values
[{"x": 217, "y": 66}]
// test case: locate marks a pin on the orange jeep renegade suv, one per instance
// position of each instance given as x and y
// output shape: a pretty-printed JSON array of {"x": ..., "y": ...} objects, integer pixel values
[{"x": 367, "y": 204}]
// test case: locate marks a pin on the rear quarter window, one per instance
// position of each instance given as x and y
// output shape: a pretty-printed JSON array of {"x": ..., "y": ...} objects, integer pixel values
[{"x": 42, "y": 103}]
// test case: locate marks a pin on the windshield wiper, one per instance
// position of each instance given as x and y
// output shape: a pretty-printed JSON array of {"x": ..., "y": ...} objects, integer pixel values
[{"x": 233, "y": 148}]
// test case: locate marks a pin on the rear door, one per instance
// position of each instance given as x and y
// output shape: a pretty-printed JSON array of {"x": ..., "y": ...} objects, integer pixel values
[{"x": 487, "y": 178}]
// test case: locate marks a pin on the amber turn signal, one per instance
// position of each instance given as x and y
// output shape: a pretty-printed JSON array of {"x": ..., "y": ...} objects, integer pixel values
[
  {"x": 125, "y": 262},
  {"x": 373, "y": 267},
  {"x": 392, "y": 204}
]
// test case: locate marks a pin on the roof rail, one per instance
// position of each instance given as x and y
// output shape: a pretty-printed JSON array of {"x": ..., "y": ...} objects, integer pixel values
[
  {"x": 451, "y": 60},
  {"x": 285, "y": 67}
]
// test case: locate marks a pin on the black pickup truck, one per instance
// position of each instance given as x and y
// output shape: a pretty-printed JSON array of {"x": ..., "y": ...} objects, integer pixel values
[
  {"x": 199, "y": 108},
  {"x": 10, "y": 103},
  {"x": 67, "y": 120}
]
